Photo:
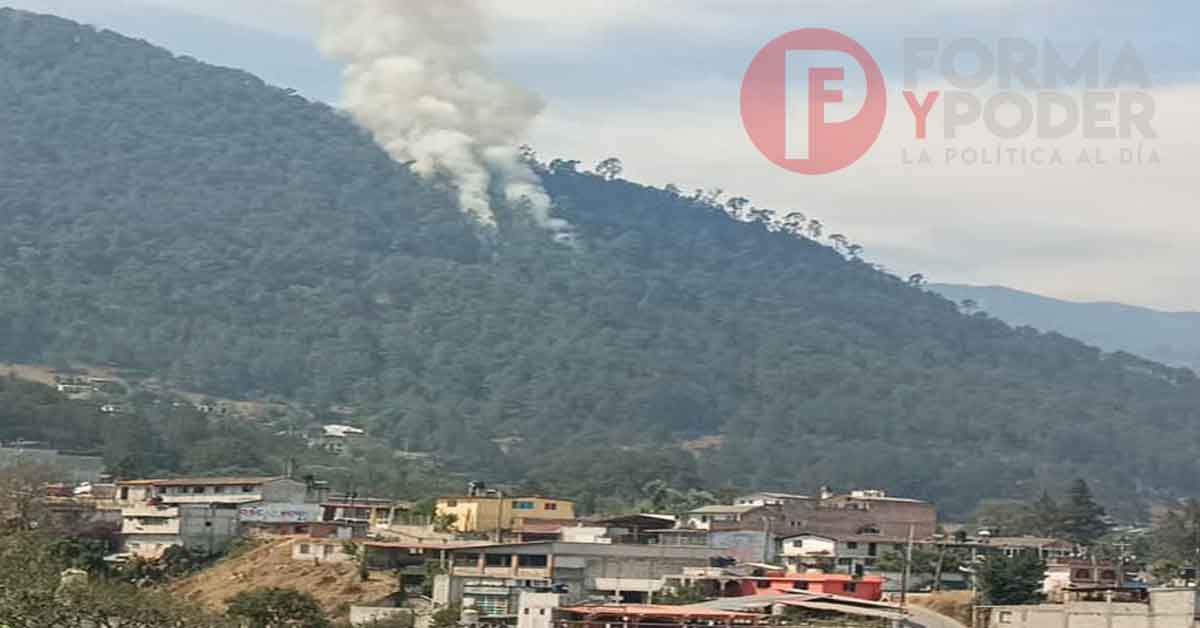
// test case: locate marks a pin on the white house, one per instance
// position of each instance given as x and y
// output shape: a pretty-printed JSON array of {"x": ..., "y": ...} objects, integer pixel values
[
  {"x": 337, "y": 438},
  {"x": 720, "y": 516},
  {"x": 847, "y": 554},
  {"x": 321, "y": 551},
  {"x": 770, "y": 499},
  {"x": 216, "y": 490}
]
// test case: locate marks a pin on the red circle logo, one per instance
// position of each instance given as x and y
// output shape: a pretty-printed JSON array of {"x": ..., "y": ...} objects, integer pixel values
[{"x": 794, "y": 132}]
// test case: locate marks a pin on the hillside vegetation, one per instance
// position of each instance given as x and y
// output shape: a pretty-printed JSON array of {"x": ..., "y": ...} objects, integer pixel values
[{"x": 161, "y": 214}]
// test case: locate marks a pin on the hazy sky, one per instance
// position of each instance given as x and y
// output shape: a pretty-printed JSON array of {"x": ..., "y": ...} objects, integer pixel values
[{"x": 657, "y": 84}]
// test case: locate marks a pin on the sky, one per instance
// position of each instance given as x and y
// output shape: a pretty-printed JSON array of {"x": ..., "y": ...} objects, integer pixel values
[{"x": 657, "y": 84}]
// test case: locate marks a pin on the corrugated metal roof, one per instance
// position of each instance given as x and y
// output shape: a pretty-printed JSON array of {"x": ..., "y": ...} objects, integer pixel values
[
  {"x": 424, "y": 546},
  {"x": 815, "y": 601},
  {"x": 725, "y": 508},
  {"x": 222, "y": 481},
  {"x": 654, "y": 610}
]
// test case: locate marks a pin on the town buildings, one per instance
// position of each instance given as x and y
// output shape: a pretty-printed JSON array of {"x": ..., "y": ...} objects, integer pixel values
[
  {"x": 218, "y": 490},
  {"x": 865, "y": 512},
  {"x": 147, "y": 530},
  {"x": 1108, "y": 608},
  {"x": 1065, "y": 575},
  {"x": 205, "y": 514},
  {"x": 781, "y": 582},
  {"x": 847, "y": 554},
  {"x": 732, "y": 517},
  {"x": 373, "y": 512},
  {"x": 340, "y": 439},
  {"x": 494, "y": 514},
  {"x": 492, "y": 577}
]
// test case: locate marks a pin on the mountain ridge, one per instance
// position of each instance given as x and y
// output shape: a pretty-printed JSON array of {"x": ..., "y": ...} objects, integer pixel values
[
  {"x": 193, "y": 221},
  {"x": 1161, "y": 335}
]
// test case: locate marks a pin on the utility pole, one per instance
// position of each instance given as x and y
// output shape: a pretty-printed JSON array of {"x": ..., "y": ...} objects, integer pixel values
[
  {"x": 904, "y": 577},
  {"x": 1193, "y": 513},
  {"x": 499, "y": 516}
]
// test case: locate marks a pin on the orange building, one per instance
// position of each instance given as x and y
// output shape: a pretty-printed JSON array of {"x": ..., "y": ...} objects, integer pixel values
[{"x": 863, "y": 588}]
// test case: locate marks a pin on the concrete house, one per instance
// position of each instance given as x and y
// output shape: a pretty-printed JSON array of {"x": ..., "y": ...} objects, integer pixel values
[
  {"x": 148, "y": 530},
  {"x": 205, "y": 513},
  {"x": 340, "y": 439},
  {"x": 270, "y": 518},
  {"x": 863, "y": 512},
  {"x": 491, "y": 513},
  {"x": 767, "y": 498},
  {"x": 217, "y": 490},
  {"x": 730, "y": 517},
  {"x": 492, "y": 577},
  {"x": 1156, "y": 608},
  {"x": 850, "y": 554},
  {"x": 373, "y": 512}
]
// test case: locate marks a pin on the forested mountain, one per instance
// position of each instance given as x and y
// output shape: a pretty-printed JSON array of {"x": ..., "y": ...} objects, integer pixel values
[
  {"x": 161, "y": 214},
  {"x": 1169, "y": 337}
]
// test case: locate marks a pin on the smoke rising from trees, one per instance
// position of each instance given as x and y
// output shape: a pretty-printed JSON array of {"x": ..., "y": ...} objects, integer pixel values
[{"x": 416, "y": 79}]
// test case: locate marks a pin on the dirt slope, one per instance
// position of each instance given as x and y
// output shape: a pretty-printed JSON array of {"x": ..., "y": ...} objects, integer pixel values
[{"x": 335, "y": 586}]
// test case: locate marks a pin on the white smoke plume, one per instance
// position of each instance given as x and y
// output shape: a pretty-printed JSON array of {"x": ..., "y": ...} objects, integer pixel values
[{"x": 416, "y": 79}]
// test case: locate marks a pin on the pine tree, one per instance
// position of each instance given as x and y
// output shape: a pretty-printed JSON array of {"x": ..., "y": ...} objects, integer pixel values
[
  {"x": 1005, "y": 580},
  {"x": 1082, "y": 519},
  {"x": 1045, "y": 516}
]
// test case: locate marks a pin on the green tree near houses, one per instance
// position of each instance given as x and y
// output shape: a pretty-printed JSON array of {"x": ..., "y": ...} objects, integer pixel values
[
  {"x": 1045, "y": 516},
  {"x": 277, "y": 608},
  {"x": 1081, "y": 519},
  {"x": 1005, "y": 580}
]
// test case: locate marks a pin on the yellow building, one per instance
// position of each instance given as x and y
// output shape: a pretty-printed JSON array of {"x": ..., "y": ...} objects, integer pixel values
[{"x": 487, "y": 513}]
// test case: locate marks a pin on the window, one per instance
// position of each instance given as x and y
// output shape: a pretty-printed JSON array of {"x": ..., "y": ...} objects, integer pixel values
[
  {"x": 551, "y": 506},
  {"x": 304, "y": 548},
  {"x": 851, "y": 587},
  {"x": 532, "y": 560},
  {"x": 124, "y": 493},
  {"x": 852, "y": 545},
  {"x": 762, "y": 584},
  {"x": 798, "y": 544},
  {"x": 451, "y": 503},
  {"x": 218, "y": 489},
  {"x": 1082, "y": 574},
  {"x": 198, "y": 490},
  {"x": 1108, "y": 574},
  {"x": 498, "y": 560},
  {"x": 248, "y": 488},
  {"x": 522, "y": 505}
]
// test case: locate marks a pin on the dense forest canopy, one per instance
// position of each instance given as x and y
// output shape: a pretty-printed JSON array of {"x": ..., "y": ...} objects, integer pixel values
[{"x": 161, "y": 214}]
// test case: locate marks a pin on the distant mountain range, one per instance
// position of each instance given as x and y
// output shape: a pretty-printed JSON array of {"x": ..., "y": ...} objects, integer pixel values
[
  {"x": 233, "y": 238},
  {"x": 1168, "y": 337}
]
